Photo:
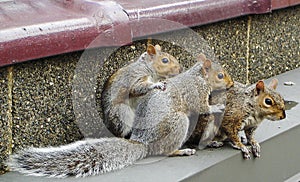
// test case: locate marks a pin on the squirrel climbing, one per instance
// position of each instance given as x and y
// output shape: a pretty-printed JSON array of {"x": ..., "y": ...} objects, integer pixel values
[
  {"x": 186, "y": 95},
  {"x": 171, "y": 114},
  {"x": 123, "y": 89},
  {"x": 246, "y": 107}
]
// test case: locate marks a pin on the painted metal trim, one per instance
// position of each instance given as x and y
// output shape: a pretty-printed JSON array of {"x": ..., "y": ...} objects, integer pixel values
[{"x": 32, "y": 29}]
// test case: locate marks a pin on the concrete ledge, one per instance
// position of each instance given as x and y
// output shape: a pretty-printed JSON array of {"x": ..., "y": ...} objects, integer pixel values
[
  {"x": 293, "y": 178},
  {"x": 279, "y": 161}
]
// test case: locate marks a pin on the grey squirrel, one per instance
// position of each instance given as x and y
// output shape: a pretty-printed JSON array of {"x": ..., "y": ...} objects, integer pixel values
[
  {"x": 171, "y": 114},
  {"x": 246, "y": 107},
  {"x": 126, "y": 86},
  {"x": 186, "y": 95}
]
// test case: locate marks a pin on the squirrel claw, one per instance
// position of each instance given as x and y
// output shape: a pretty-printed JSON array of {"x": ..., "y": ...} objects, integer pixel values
[
  {"x": 256, "y": 150},
  {"x": 215, "y": 144},
  {"x": 160, "y": 85},
  {"x": 183, "y": 152},
  {"x": 246, "y": 156},
  {"x": 256, "y": 155},
  {"x": 246, "y": 152},
  {"x": 190, "y": 151}
]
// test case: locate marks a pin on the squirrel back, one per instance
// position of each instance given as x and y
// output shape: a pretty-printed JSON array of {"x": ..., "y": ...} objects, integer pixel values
[{"x": 125, "y": 87}]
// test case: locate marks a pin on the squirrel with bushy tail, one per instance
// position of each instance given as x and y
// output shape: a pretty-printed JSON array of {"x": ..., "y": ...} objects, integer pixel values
[
  {"x": 173, "y": 109},
  {"x": 128, "y": 85}
]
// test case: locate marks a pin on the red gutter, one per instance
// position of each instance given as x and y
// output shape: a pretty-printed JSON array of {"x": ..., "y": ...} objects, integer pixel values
[
  {"x": 192, "y": 12},
  {"x": 278, "y": 4},
  {"x": 31, "y": 29}
]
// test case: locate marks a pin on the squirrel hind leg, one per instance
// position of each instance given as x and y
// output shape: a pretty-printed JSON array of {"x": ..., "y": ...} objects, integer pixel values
[
  {"x": 183, "y": 152},
  {"x": 215, "y": 144},
  {"x": 120, "y": 120}
]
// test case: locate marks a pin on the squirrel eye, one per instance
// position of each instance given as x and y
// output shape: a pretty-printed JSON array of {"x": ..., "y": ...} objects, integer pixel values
[
  {"x": 165, "y": 60},
  {"x": 220, "y": 75},
  {"x": 268, "y": 101}
]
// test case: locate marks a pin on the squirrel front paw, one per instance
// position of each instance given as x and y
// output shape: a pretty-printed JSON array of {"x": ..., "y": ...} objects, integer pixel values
[
  {"x": 159, "y": 85},
  {"x": 245, "y": 151},
  {"x": 256, "y": 150}
]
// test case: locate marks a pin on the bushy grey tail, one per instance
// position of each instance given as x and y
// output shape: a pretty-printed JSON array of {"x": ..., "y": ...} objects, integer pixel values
[{"x": 80, "y": 159}]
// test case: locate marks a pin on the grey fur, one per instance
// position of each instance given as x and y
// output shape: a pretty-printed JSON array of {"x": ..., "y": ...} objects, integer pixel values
[
  {"x": 164, "y": 118},
  {"x": 124, "y": 88},
  {"x": 80, "y": 159},
  {"x": 162, "y": 125}
]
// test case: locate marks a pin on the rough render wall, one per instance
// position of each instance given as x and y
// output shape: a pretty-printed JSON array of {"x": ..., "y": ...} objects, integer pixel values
[
  {"x": 5, "y": 121},
  {"x": 36, "y": 97}
]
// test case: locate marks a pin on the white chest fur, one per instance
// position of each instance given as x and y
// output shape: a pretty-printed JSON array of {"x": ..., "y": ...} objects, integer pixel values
[{"x": 250, "y": 121}]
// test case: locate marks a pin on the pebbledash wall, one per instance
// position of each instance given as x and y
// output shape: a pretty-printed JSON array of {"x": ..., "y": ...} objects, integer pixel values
[{"x": 36, "y": 96}]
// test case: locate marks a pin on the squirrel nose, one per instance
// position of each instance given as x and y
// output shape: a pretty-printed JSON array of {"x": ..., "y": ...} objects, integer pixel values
[{"x": 283, "y": 115}]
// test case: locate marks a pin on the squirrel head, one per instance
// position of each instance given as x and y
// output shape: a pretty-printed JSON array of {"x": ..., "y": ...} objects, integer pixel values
[
  {"x": 270, "y": 103},
  {"x": 164, "y": 64},
  {"x": 215, "y": 75}
]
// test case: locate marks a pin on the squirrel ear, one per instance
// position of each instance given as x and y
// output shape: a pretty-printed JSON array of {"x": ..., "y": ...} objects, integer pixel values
[
  {"x": 158, "y": 48},
  {"x": 151, "y": 50},
  {"x": 201, "y": 57},
  {"x": 260, "y": 86},
  {"x": 273, "y": 84},
  {"x": 206, "y": 66}
]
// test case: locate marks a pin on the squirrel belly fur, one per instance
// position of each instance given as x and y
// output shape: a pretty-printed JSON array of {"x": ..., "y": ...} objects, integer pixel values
[{"x": 186, "y": 95}]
